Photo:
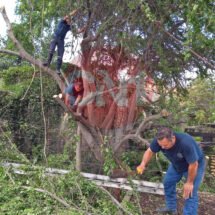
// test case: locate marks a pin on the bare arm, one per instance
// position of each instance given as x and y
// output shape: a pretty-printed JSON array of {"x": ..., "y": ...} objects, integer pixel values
[
  {"x": 81, "y": 30},
  {"x": 146, "y": 158},
  {"x": 188, "y": 186},
  {"x": 78, "y": 99},
  {"x": 192, "y": 171},
  {"x": 67, "y": 101},
  {"x": 74, "y": 12}
]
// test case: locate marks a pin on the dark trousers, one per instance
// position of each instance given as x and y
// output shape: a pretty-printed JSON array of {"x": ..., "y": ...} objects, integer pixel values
[{"x": 60, "y": 51}]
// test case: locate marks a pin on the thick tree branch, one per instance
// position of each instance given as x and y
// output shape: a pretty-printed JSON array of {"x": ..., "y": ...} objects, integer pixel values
[
  {"x": 22, "y": 53},
  {"x": 25, "y": 55},
  {"x": 137, "y": 136},
  {"x": 94, "y": 137},
  {"x": 143, "y": 125},
  {"x": 75, "y": 115},
  {"x": 9, "y": 52}
]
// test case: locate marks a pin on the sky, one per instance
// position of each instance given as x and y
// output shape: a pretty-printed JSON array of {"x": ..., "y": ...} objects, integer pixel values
[{"x": 10, "y": 8}]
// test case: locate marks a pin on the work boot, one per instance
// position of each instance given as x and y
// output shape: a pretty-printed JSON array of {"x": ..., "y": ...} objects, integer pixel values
[
  {"x": 166, "y": 211},
  {"x": 47, "y": 63},
  {"x": 59, "y": 72}
]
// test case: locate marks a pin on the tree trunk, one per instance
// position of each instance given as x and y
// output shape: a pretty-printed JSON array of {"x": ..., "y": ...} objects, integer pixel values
[{"x": 78, "y": 151}]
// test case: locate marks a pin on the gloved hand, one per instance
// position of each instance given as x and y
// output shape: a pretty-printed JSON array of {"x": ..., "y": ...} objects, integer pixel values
[{"x": 140, "y": 169}]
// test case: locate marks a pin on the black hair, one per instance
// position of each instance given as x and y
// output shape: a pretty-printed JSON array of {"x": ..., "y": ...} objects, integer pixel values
[
  {"x": 78, "y": 80},
  {"x": 164, "y": 132}
]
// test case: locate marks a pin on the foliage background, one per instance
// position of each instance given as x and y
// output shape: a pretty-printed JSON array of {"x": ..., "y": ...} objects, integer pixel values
[{"x": 27, "y": 108}]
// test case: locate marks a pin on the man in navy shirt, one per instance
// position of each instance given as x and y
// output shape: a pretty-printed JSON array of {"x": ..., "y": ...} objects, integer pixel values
[
  {"x": 58, "y": 40},
  {"x": 186, "y": 159}
]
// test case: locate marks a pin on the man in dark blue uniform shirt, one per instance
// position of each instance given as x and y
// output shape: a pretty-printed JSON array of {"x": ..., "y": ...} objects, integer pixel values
[
  {"x": 187, "y": 160},
  {"x": 58, "y": 40}
]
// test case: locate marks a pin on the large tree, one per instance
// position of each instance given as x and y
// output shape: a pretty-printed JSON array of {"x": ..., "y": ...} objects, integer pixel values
[{"x": 126, "y": 47}]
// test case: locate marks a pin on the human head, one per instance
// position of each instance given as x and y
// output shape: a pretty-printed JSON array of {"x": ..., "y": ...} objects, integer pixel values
[
  {"x": 165, "y": 137},
  {"x": 78, "y": 85},
  {"x": 67, "y": 19}
]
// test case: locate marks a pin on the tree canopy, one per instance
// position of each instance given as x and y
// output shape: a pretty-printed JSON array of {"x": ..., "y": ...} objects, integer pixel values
[
  {"x": 163, "y": 40},
  {"x": 169, "y": 37}
]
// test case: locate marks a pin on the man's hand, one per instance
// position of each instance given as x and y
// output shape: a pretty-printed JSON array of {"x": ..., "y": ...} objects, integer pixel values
[
  {"x": 188, "y": 190},
  {"x": 188, "y": 186},
  {"x": 140, "y": 169},
  {"x": 82, "y": 29},
  {"x": 74, "y": 12},
  {"x": 74, "y": 108},
  {"x": 146, "y": 158}
]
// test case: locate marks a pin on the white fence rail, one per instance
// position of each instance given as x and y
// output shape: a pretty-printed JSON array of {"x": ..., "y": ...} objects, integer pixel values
[{"x": 100, "y": 180}]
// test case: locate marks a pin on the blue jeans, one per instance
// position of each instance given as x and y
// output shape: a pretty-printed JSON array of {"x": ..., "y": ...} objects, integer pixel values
[
  {"x": 171, "y": 178},
  {"x": 60, "y": 50},
  {"x": 72, "y": 100}
]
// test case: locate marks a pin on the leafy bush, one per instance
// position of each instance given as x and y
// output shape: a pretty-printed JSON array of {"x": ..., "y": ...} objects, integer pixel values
[{"x": 22, "y": 195}]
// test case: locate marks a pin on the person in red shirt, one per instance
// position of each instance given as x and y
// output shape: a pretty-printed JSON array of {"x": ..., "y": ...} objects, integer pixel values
[{"x": 74, "y": 94}]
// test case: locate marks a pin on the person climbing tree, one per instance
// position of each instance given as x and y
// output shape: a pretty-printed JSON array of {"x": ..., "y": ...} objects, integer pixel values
[
  {"x": 58, "y": 40},
  {"x": 73, "y": 94}
]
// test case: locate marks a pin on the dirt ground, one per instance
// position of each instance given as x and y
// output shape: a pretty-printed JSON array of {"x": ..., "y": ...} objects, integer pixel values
[{"x": 150, "y": 202}]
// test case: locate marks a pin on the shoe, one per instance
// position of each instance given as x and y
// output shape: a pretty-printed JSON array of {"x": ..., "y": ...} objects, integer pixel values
[
  {"x": 166, "y": 211},
  {"x": 45, "y": 64},
  {"x": 59, "y": 71}
]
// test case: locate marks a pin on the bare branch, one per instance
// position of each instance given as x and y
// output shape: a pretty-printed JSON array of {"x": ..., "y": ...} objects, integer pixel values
[
  {"x": 134, "y": 137},
  {"x": 62, "y": 104},
  {"x": 137, "y": 137},
  {"x": 143, "y": 125},
  {"x": 90, "y": 38},
  {"x": 62, "y": 201},
  {"x": 5, "y": 51},
  {"x": 12, "y": 145},
  {"x": 94, "y": 137},
  {"x": 115, "y": 201},
  {"x": 25, "y": 55}
]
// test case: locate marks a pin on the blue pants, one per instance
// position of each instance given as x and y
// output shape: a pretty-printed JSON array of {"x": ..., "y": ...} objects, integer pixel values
[
  {"x": 60, "y": 50},
  {"x": 171, "y": 178},
  {"x": 72, "y": 100}
]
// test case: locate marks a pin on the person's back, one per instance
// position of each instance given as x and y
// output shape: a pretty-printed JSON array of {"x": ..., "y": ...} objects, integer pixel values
[
  {"x": 73, "y": 94},
  {"x": 184, "y": 151},
  {"x": 62, "y": 28}
]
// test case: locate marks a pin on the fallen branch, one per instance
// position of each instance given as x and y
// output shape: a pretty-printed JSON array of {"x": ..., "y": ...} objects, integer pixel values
[
  {"x": 63, "y": 202},
  {"x": 115, "y": 201},
  {"x": 100, "y": 180}
]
